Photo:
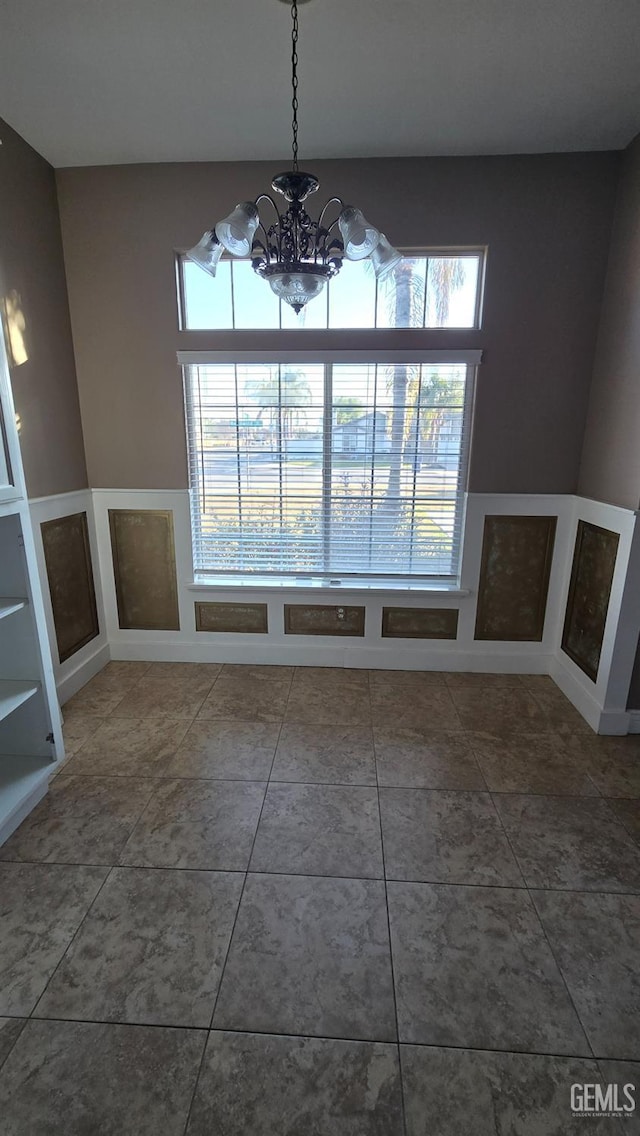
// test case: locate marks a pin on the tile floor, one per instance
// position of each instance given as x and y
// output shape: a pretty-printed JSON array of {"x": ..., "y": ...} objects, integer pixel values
[{"x": 314, "y": 902}]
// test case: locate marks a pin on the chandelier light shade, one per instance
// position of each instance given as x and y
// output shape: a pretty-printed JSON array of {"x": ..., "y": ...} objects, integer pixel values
[
  {"x": 207, "y": 253},
  {"x": 236, "y": 231},
  {"x": 293, "y": 252},
  {"x": 359, "y": 237},
  {"x": 384, "y": 258}
]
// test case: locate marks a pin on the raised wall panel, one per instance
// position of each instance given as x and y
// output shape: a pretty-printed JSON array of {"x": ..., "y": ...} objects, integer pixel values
[
  {"x": 321, "y": 619},
  {"x": 514, "y": 577},
  {"x": 144, "y": 569},
  {"x": 67, "y": 556},
  {"x": 242, "y": 618},
  {"x": 594, "y": 561},
  {"x": 633, "y": 699},
  {"x": 419, "y": 622}
]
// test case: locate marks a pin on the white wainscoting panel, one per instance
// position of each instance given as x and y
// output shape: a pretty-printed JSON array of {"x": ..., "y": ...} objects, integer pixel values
[
  {"x": 371, "y": 650},
  {"x": 74, "y": 672},
  {"x": 601, "y": 703}
]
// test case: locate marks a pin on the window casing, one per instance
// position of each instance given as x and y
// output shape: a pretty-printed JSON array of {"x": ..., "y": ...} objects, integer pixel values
[
  {"x": 330, "y": 467},
  {"x": 441, "y": 289}
]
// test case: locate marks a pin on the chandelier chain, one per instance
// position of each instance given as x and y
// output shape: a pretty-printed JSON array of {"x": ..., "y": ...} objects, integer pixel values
[
  {"x": 296, "y": 254},
  {"x": 294, "y": 80}
]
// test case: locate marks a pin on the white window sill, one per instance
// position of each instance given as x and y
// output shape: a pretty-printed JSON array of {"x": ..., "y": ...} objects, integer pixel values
[{"x": 321, "y": 585}]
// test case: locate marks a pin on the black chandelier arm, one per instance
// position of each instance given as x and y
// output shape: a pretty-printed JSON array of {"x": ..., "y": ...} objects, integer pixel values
[
  {"x": 333, "y": 225},
  {"x": 268, "y": 197},
  {"x": 274, "y": 231},
  {"x": 257, "y": 243},
  {"x": 333, "y": 246},
  {"x": 331, "y": 201},
  {"x": 263, "y": 227},
  {"x": 258, "y": 252}
]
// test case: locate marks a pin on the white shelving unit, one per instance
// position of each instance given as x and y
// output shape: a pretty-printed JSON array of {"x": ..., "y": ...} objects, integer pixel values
[
  {"x": 13, "y": 693},
  {"x": 9, "y": 605},
  {"x": 30, "y": 729}
]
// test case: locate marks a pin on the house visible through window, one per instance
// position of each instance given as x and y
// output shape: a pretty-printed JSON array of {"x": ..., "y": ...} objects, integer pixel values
[
  {"x": 327, "y": 468},
  {"x": 332, "y": 465}
]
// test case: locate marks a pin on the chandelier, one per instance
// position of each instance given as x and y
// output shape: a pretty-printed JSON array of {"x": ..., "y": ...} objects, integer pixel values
[{"x": 290, "y": 250}]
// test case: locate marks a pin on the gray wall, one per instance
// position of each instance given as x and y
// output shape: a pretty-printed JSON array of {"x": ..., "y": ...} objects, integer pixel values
[
  {"x": 32, "y": 281},
  {"x": 610, "y": 468},
  {"x": 545, "y": 219},
  {"x": 633, "y": 702}
]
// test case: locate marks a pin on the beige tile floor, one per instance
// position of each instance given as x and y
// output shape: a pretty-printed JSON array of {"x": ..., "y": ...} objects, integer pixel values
[{"x": 314, "y": 902}]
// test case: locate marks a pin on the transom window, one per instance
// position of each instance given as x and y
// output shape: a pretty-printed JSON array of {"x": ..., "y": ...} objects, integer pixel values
[
  {"x": 328, "y": 467},
  {"x": 439, "y": 290}
]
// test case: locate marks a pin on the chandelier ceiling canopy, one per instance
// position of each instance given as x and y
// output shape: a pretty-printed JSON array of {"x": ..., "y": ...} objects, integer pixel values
[{"x": 290, "y": 250}]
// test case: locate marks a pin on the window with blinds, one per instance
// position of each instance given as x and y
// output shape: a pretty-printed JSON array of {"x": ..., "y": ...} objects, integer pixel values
[{"x": 328, "y": 469}]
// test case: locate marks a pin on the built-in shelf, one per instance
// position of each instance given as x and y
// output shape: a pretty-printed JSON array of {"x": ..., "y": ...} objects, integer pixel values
[
  {"x": 23, "y": 782},
  {"x": 9, "y": 604},
  {"x": 30, "y": 737},
  {"x": 13, "y": 693}
]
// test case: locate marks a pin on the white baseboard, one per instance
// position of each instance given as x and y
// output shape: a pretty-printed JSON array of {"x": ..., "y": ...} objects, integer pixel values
[
  {"x": 611, "y": 722},
  {"x": 584, "y": 702},
  {"x": 72, "y": 682},
  {"x": 396, "y": 655},
  {"x": 405, "y": 657},
  {"x": 8, "y": 826},
  {"x": 634, "y": 721},
  {"x": 614, "y": 723}
]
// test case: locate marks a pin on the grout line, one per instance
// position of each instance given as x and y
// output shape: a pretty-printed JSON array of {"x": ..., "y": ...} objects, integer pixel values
[
  {"x": 152, "y": 797},
  {"x": 510, "y": 846},
  {"x": 160, "y": 777},
  {"x": 119, "y": 867},
  {"x": 621, "y": 820},
  {"x": 72, "y": 940},
  {"x": 617, "y": 820},
  {"x": 233, "y": 927},
  {"x": 16, "y": 1018},
  {"x": 314, "y": 876},
  {"x": 560, "y": 970},
  {"x": 329, "y": 1037},
  {"x": 546, "y": 937},
  {"x": 591, "y": 781},
  {"x": 196, "y": 1082},
  {"x": 325, "y": 784},
  {"x": 130, "y": 687},
  {"x": 121, "y": 1022},
  {"x": 393, "y": 976},
  {"x": 244, "y": 882}
]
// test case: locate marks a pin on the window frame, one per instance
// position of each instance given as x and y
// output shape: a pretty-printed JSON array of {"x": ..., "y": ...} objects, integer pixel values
[
  {"x": 480, "y": 251},
  {"x": 470, "y": 358}
]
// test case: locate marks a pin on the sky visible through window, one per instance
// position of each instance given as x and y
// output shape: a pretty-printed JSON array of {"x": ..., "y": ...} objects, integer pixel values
[{"x": 239, "y": 299}]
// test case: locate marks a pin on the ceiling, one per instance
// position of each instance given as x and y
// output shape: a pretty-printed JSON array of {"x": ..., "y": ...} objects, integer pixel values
[{"x": 89, "y": 82}]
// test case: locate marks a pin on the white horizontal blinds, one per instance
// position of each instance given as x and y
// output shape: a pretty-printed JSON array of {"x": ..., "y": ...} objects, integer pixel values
[
  {"x": 435, "y": 291},
  {"x": 396, "y": 445},
  {"x": 332, "y": 469},
  {"x": 256, "y": 467}
]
